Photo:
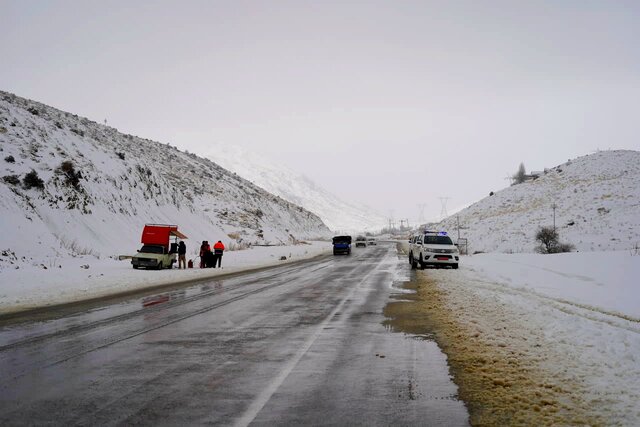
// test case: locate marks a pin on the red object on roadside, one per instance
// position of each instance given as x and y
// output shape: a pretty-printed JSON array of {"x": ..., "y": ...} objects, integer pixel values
[
  {"x": 190, "y": 263},
  {"x": 159, "y": 234}
]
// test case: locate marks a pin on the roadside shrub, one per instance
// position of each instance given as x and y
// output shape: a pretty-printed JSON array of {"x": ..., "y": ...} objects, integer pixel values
[
  {"x": 10, "y": 159},
  {"x": 11, "y": 179},
  {"x": 120, "y": 154},
  {"x": 548, "y": 238},
  {"x": 549, "y": 242},
  {"x": 34, "y": 111},
  {"x": 32, "y": 180},
  {"x": 565, "y": 247}
]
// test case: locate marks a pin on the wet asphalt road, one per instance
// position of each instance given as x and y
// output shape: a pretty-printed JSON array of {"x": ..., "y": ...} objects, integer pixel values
[{"x": 298, "y": 345}]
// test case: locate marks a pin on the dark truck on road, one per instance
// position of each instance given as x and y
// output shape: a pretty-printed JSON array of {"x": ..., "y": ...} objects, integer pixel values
[{"x": 342, "y": 245}]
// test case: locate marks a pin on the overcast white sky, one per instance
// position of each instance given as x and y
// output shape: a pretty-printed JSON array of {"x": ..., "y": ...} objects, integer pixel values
[{"x": 388, "y": 103}]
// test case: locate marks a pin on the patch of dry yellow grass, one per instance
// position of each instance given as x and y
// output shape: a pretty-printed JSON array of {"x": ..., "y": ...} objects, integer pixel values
[{"x": 500, "y": 386}]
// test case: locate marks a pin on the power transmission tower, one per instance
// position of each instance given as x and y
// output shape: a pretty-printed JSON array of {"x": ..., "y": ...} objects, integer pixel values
[
  {"x": 443, "y": 211},
  {"x": 421, "y": 213}
]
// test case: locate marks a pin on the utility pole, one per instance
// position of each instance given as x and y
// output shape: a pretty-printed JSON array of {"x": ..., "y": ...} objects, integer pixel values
[
  {"x": 458, "y": 221},
  {"x": 554, "y": 206}
]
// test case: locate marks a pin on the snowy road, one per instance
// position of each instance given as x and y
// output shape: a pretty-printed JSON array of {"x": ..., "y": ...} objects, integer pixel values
[{"x": 300, "y": 344}]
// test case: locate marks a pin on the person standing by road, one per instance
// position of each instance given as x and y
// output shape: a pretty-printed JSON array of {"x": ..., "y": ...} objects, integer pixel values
[
  {"x": 218, "y": 250},
  {"x": 205, "y": 254},
  {"x": 182, "y": 251}
]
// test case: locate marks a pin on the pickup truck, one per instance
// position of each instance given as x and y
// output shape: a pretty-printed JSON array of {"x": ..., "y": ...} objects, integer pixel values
[
  {"x": 157, "y": 251},
  {"x": 342, "y": 245},
  {"x": 433, "y": 248}
]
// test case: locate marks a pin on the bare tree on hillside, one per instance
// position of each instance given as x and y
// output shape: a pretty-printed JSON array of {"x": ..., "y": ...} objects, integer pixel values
[{"x": 521, "y": 175}]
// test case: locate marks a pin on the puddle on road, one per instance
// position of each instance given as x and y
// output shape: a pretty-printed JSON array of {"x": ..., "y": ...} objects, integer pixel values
[{"x": 498, "y": 387}]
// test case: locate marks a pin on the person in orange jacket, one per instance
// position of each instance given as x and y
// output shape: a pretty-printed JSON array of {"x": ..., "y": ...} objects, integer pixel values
[{"x": 218, "y": 250}]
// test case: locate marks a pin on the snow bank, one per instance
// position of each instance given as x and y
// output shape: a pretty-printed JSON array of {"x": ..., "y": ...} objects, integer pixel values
[
  {"x": 87, "y": 277},
  {"x": 607, "y": 282},
  {"x": 574, "y": 317}
]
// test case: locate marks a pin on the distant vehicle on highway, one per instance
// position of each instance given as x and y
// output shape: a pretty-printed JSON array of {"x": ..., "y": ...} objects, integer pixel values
[
  {"x": 371, "y": 241},
  {"x": 342, "y": 245},
  {"x": 433, "y": 248},
  {"x": 361, "y": 241}
]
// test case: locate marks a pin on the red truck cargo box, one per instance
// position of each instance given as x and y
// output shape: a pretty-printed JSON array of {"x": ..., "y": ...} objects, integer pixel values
[{"x": 158, "y": 234}]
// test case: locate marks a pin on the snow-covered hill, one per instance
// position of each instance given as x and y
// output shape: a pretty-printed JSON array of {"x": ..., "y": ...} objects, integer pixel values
[
  {"x": 337, "y": 214},
  {"x": 597, "y": 200},
  {"x": 99, "y": 187}
]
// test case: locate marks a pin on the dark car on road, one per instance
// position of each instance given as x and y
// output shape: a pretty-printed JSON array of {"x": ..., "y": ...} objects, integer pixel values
[
  {"x": 361, "y": 241},
  {"x": 342, "y": 245}
]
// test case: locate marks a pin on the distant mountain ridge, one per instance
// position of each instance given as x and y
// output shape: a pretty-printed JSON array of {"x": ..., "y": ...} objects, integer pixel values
[
  {"x": 338, "y": 215},
  {"x": 597, "y": 207},
  {"x": 99, "y": 187}
]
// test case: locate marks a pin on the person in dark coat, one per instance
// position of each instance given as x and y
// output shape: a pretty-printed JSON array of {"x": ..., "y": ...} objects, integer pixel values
[
  {"x": 205, "y": 254},
  {"x": 182, "y": 251}
]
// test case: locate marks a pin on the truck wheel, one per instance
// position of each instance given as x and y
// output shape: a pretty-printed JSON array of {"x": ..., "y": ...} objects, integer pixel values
[
  {"x": 135, "y": 267},
  {"x": 170, "y": 266},
  {"x": 159, "y": 266},
  {"x": 455, "y": 266},
  {"x": 412, "y": 261},
  {"x": 422, "y": 265}
]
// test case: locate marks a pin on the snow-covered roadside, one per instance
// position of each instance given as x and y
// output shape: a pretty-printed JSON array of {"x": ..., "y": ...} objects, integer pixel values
[
  {"x": 576, "y": 317},
  {"x": 86, "y": 277}
]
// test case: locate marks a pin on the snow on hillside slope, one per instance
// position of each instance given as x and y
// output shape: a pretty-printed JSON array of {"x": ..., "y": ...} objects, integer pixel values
[
  {"x": 337, "y": 214},
  {"x": 597, "y": 201},
  {"x": 101, "y": 186}
]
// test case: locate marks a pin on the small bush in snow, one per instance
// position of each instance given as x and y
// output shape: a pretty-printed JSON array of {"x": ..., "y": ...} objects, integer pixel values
[
  {"x": 548, "y": 238},
  {"x": 549, "y": 242},
  {"x": 10, "y": 159},
  {"x": 68, "y": 170},
  {"x": 11, "y": 179},
  {"x": 33, "y": 110},
  {"x": 565, "y": 247},
  {"x": 32, "y": 180},
  {"x": 120, "y": 154},
  {"x": 77, "y": 132}
]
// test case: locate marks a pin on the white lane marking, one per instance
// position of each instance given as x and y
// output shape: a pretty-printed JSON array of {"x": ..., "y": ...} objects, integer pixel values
[{"x": 258, "y": 403}]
